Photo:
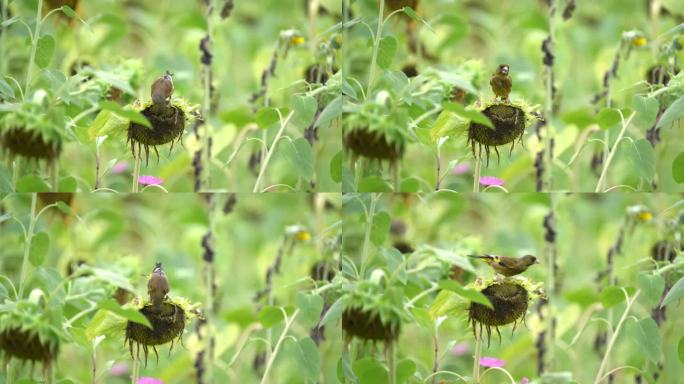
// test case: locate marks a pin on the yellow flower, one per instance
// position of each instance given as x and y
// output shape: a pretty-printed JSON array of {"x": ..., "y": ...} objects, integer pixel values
[
  {"x": 303, "y": 235},
  {"x": 645, "y": 216},
  {"x": 639, "y": 41},
  {"x": 297, "y": 40}
]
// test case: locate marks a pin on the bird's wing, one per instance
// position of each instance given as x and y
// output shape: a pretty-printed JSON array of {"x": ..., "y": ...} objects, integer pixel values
[{"x": 506, "y": 262}]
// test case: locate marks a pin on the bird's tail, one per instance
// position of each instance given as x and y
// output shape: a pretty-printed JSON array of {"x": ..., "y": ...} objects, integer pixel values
[{"x": 485, "y": 258}]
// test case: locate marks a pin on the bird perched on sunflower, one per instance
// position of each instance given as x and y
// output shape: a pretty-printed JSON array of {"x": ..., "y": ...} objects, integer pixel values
[
  {"x": 501, "y": 82},
  {"x": 161, "y": 92},
  {"x": 158, "y": 286},
  {"x": 508, "y": 266}
]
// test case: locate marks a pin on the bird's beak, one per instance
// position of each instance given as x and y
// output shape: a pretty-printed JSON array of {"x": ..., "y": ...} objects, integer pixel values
[{"x": 536, "y": 261}]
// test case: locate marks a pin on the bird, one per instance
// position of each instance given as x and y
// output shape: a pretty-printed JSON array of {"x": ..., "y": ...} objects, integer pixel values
[
  {"x": 161, "y": 91},
  {"x": 501, "y": 82},
  {"x": 508, "y": 266},
  {"x": 157, "y": 286}
]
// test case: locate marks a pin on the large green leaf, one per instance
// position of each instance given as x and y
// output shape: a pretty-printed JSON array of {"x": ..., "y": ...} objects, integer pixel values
[
  {"x": 470, "y": 114},
  {"x": 672, "y": 113},
  {"x": 386, "y": 51},
  {"x": 310, "y": 307},
  {"x": 126, "y": 112},
  {"x": 646, "y": 110},
  {"x": 652, "y": 287},
  {"x": 678, "y": 168},
  {"x": 40, "y": 245},
  {"x": 676, "y": 293},
  {"x": 131, "y": 314},
  {"x": 642, "y": 157},
  {"x": 307, "y": 355},
  {"x": 300, "y": 155},
  {"x": 647, "y": 337},
  {"x": 370, "y": 371},
  {"x": 467, "y": 293},
  {"x": 304, "y": 108},
  {"x": 45, "y": 50}
]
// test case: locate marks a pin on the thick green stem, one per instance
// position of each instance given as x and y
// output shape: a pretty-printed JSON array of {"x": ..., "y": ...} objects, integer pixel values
[
  {"x": 369, "y": 228},
  {"x": 611, "y": 154},
  {"x": 3, "y": 40},
  {"x": 264, "y": 163},
  {"x": 476, "y": 174},
  {"x": 136, "y": 172},
  {"x": 27, "y": 245},
  {"x": 611, "y": 343},
  {"x": 34, "y": 46},
  {"x": 269, "y": 365},
  {"x": 376, "y": 47},
  {"x": 135, "y": 373},
  {"x": 392, "y": 362},
  {"x": 478, "y": 354}
]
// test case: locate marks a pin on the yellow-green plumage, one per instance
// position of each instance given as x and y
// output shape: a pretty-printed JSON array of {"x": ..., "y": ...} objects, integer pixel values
[
  {"x": 508, "y": 266},
  {"x": 501, "y": 82}
]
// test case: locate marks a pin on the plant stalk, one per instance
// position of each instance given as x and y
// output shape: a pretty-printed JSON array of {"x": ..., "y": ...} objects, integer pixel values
[
  {"x": 611, "y": 343},
  {"x": 476, "y": 175},
  {"x": 264, "y": 164},
  {"x": 136, "y": 368},
  {"x": 611, "y": 154},
  {"x": 376, "y": 47},
  {"x": 136, "y": 172},
  {"x": 34, "y": 46},
  {"x": 478, "y": 354},
  {"x": 27, "y": 245},
  {"x": 369, "y": 227},
  {"x": 269, "y": 365}
]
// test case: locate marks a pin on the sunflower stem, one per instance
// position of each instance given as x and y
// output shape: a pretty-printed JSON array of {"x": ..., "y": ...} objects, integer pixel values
[
  {"x": 136, "y": 172},
  {"x": 136, "y": 368},
  {"x": 27, "y": 245},
  {"x": 476, "y": 175},
  {"x": 366, "y": 238},
  {"x": 34, "y": 46},
  {"x": 478, "y": 354},
  {"x": 376, "y": 47},
  {"x": 264, "y": 163},
  {"x": 392, "y": 362}
]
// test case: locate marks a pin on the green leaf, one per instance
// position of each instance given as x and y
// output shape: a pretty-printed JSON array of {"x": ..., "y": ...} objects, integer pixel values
[
  {"x": 334, "y": 312},
  {"x": 304, "y": 108},
  {"x": 678, "y": 168},
  {"x": 672, "y": 113},
  {"x": 386, "y": 51},
  {"x": 470, "y": 114},
  {"x": 374, "y": 184},
  {"x": 271, "y": 315},
  {"x": 64, "y": 208},
  {"x": 680, "y": 349},
  {"x": 611, "y": 296},
  {"x": 31, "y": 183},
  {"x": 310, "y": 306},
  {"x": 676, "y": 293},
  {"x": 110, "y": 277},
  {"x": 68, "y": 184},
  {"x": 307, "y": 355},
  {"x": 646, "y": 110},
  {"x": 370, "y": 371},
  {"x": 126, "y": 113},
  {"x": 467, "y": 293},
  {"x": 584, "y": 296},
  {"x": 608, "y": 117},
  {"x": 44, "y": 50},
  {"x": 6, "y": 89},
  {"x": 647, "y": 337},
  {"x": 40, "y": 245},
  {"x": 642, "y": 157},
  {"x": 300, "y": 155},
  {"x": 69, "y": 12},
  {"x": 336, "y": 167},
  {"x": 129, "y": 313},
  {"x": 331, "y": 112},
  {"x": 652, "y": 287},
  {"x": 405, "y": 370},
  {"x": 380, "y": 229},
  {"x": 266, "y": 117},
  {"x": 448, "y": 256},
  {"x": 410, "y": 185},
  {"x": 106, "y": 123}
]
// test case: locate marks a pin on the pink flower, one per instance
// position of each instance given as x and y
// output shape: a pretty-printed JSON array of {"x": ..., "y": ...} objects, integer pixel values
[
  {"x": 119, "y": 369},
  {"x": 150, "y": 180},
  {"x": 460, "y": 169},
  {"x": 491, "y": 180},
  {"x": 149, "y": 380},
  {"x": 491, "y": 362},
  {"x": 460, "y": 349},
  {"x": 525, "y": 380},
  {"x": 120, "y": 167}
]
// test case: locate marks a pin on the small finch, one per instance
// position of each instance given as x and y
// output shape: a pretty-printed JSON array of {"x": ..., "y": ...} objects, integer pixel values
[
  {"x": 157, "y": 287},
  {"x": 161, "y": 91},
  {"x": 501, "y": 82},
  {"x": 508, "y": 266}
]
